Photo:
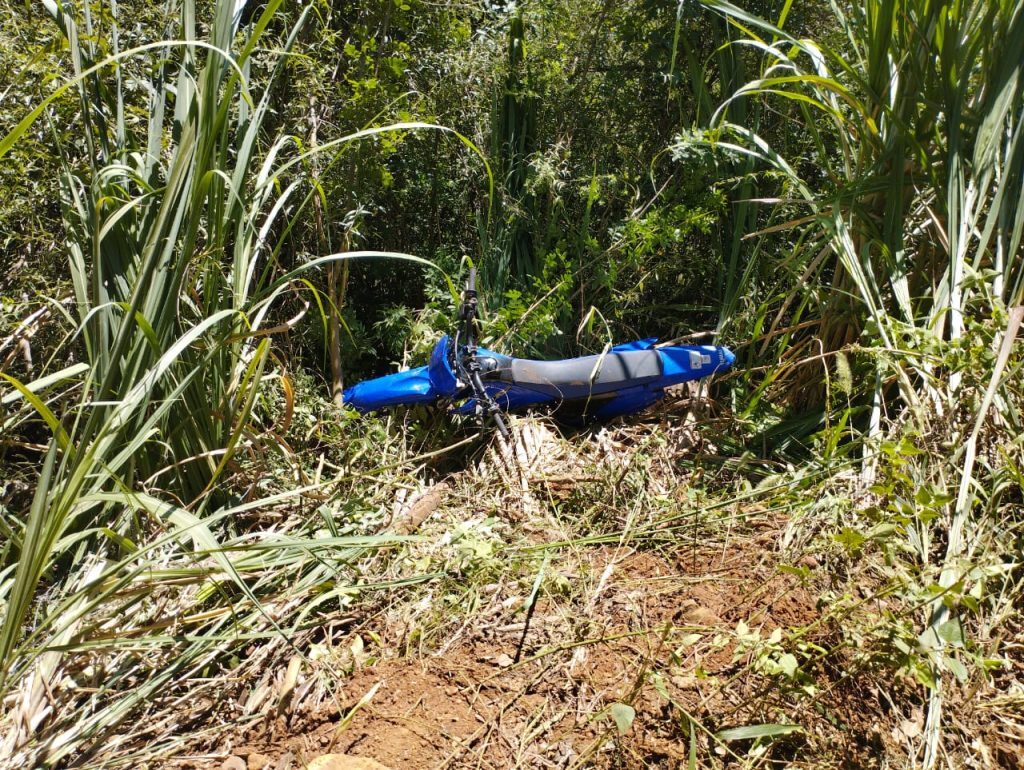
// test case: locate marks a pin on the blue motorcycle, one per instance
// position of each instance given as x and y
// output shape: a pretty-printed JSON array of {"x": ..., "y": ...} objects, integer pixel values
[{"x": 626, "y": 379}]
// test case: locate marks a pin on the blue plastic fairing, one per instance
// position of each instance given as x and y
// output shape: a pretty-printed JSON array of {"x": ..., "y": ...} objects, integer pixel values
[
  {"x": 691, "y": 362},
  {"x": 441, "y": 375},
  {"x": 415, "y": 386},
  {"x": 645, "y": 344},
  {"x": 409, "y": 387},
  {"x": 507, "y": 396}
]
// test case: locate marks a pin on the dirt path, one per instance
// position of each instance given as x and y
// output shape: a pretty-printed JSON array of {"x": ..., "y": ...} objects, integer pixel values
[{"x": 659, "y": 653}]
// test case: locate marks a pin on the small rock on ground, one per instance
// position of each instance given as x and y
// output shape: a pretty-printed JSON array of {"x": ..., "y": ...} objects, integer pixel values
[
  {"x": 258, "y": 761},
  {"x": 345, "y": 762}
]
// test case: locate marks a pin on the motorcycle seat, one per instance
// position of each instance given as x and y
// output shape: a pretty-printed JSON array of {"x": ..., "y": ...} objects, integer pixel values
[{"x": 587, "y": 375}]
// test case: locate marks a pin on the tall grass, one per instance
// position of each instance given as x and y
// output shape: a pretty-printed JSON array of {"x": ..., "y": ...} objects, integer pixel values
[
  {"x": 508, "y": 238},
  {"x": 915, "y": 121},
  {"x": 906, "y": 224},
  {"x": 175, "y": 228}
]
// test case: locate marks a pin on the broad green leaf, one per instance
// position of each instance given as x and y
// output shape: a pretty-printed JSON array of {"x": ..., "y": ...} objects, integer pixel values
[
  {"x": 958, "y": 669},
  {"x": 789, "y": 664},
  {"x": 952, "y": 632},
  {"x": 623, "y": 716}
]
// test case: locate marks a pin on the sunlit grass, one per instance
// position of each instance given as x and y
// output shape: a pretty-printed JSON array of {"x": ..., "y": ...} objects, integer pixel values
[
  {"x": 907, "y": 246},
  {"x": 174, "y": 233}
]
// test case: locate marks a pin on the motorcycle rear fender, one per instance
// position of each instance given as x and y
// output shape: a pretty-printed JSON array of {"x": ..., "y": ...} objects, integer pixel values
[{"x": 681, "y": 363}]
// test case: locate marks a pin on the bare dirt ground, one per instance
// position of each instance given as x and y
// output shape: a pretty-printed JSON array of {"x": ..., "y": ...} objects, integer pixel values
[
  {"x": 658, "y": 634},
  {"x": 592, "y": 637}
]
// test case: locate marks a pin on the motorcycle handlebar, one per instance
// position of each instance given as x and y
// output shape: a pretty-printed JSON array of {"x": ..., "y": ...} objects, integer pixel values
[
  {"x": 469, "y": 365},
  {"x": 468, "y": 310}
]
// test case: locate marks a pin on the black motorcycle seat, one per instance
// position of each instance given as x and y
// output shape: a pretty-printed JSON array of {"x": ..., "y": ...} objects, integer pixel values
[{"x": 588, "y": 375}]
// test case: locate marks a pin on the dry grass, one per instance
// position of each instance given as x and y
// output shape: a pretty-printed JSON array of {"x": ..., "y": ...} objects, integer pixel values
[{"x": 596, "y": 571}]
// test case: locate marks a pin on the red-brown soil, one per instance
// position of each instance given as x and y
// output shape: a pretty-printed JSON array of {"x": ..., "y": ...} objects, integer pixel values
[{"x": 655, "y": 631}]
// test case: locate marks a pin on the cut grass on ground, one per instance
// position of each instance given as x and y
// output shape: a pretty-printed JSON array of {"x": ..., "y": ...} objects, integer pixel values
[{"x": 597, "y": 609}]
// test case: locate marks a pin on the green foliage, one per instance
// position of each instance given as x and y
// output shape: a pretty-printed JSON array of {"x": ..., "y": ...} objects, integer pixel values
[
  {"x": 570, "y": 100},
  {"x": 167, "y": 360},
  {"x": 176, "y": 214},
  {"x": 513, "y": 142},
  {"x": 903, "y": 212},
  {"x": 833, "y": 190},
  {"x": 527, "y": 321}
]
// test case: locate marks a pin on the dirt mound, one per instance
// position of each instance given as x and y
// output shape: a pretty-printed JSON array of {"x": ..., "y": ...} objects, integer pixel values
[{"x": 652, "y": 659}]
